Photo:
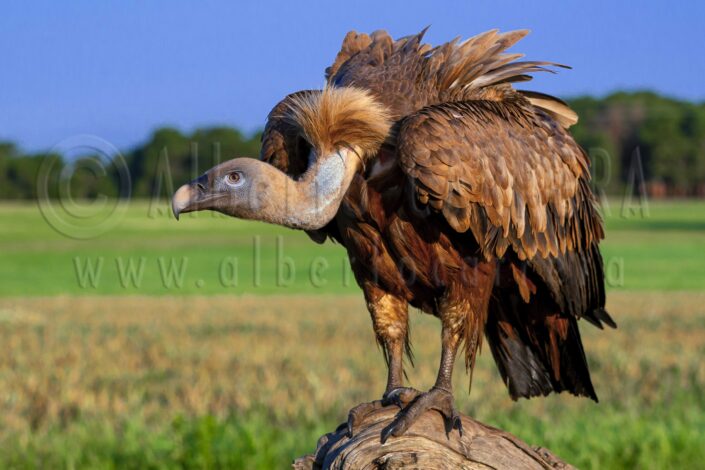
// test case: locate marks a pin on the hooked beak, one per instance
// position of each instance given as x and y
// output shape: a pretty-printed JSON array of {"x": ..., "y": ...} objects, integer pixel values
[{"x": 188, "y": 196}]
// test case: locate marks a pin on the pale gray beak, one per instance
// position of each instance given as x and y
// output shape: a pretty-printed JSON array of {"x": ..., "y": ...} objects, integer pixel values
[{"x": 188, "y": 196}]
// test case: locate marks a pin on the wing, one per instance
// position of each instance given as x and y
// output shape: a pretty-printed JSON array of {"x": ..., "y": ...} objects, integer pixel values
[
  {"x": 504, "y": 170},
  {"x": 509, "y": 173}
]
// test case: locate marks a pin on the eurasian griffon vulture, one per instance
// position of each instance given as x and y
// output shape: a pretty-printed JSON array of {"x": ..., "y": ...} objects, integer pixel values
[{"x": 452, "y": 192}]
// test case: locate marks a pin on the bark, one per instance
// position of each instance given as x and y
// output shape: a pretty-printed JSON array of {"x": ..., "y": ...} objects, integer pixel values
[{"x": 426, "y": 445}]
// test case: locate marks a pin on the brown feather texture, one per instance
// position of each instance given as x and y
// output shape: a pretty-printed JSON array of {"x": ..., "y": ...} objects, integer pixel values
[
  {"x": 474, "y": 203},
  {"x": 281, "y": 145},
  {"x": 503, "y": 171},
  {"x": 408, "y": 74},
  {"x": 339, "y": 117}
]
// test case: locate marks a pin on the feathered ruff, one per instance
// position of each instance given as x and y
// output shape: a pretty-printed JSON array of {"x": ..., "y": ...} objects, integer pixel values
[
  {"x": 282, "y": 147},
  {"x": 339, "y": 117}
]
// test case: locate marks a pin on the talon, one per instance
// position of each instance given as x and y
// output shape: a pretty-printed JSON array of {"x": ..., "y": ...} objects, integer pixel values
[
  {"x": 358, "y": 414},
  {"x": 400, "y": 396},
  {"x": 391, "y": 431},
  {"x": 454, "y": 422},
  {"x": 458, "y": 424},
  {"x": 386, "y": 432},
  {"x": 437, "y": 399},
  {"x": 350, "y": 426}
]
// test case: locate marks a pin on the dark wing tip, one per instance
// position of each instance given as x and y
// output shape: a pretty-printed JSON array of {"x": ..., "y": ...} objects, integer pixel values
[
  {"x": 602, "y": 314},
  {"x": 599, "y": 316}
]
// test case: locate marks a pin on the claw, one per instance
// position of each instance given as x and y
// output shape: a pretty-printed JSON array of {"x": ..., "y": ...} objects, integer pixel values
[
  {"x": 400, "y": 396},
  {"x": 453, "y": 422},
  {"x": 389, "y": 431},
  {"x": 436, "y": 399},
  {"x": 386, "y": 432},
  {"x": 358, "y": 414},
  {"x": 350, "y": 425}
]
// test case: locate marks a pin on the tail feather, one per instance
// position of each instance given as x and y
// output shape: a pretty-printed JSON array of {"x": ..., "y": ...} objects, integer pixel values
[{"x": 536, "y": 353}]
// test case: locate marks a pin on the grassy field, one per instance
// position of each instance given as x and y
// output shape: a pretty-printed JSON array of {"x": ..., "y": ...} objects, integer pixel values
[
  {"x": 207, "y": 253},
  {"x": 160, "y": 366},
  {"x": 251, "y": 382}
]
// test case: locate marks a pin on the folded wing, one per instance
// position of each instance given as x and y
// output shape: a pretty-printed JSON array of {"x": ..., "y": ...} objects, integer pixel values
[{"x": 506, "y": 171}]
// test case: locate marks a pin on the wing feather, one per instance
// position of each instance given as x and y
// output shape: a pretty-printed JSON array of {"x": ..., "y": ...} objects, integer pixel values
[{"x": 507, "y": 171}]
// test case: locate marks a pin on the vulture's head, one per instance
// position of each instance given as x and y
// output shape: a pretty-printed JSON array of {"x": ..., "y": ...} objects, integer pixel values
[
  {"x": 237, "y": 187},
  {"x": 331, "y": 132}
]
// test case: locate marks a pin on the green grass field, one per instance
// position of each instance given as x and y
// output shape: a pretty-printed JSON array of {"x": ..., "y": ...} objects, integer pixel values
[
  {"x": 662, "y": 249},
  {"x": 159, "y": 370}
]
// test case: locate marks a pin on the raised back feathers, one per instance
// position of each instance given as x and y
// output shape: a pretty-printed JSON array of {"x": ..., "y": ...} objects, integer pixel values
[{"x": 407, "y": 74}]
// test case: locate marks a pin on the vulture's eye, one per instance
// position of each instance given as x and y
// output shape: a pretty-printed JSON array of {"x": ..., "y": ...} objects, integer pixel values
[{"x": 234, "y": 179}]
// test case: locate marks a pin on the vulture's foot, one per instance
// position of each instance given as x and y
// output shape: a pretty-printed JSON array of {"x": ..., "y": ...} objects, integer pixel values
[
  {"x": 435, "y": 399},
  {"x": 400, "y": 396}
]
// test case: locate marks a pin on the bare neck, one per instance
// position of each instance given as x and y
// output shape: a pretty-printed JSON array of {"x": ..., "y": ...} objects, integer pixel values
[{"x": 310, "y": 202}]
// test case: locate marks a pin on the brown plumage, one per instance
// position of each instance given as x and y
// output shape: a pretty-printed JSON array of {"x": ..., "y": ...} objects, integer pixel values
[{"x": 457, "y": 195}]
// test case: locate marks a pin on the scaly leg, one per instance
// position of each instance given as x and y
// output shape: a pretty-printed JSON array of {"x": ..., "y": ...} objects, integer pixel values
[
  {"x": 440, "y": 397},
  {"x": 390, "y": 321}
]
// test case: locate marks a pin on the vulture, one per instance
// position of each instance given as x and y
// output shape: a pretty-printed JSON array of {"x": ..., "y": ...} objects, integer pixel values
[{"x": 453, "y": 192}]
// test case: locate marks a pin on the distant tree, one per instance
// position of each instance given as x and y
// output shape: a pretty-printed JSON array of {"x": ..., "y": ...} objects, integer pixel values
[
  {"x": 170, "y": 157},
  {"x": 7, "y": 152},
  {"x": 670, "y": 136}
]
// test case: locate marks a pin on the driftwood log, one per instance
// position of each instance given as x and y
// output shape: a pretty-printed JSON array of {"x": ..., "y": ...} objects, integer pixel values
[{"x": 426, "y": 445}]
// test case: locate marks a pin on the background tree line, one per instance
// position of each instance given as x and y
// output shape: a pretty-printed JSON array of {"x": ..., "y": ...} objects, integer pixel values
[{"x": 633, "y": 138}]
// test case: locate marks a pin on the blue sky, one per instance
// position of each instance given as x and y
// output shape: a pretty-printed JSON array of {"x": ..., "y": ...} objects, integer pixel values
[{"x": 119, "y": 70}]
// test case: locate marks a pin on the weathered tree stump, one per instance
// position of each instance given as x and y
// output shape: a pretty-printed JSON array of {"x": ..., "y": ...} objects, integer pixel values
[{"x": 426, "y": 445}]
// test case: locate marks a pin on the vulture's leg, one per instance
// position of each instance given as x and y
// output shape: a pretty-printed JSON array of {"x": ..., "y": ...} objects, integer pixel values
[
  {"x": 463, "y": 313},
  {"x": 390, "y": 316},
  {"x": 440, "y": 397}
]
